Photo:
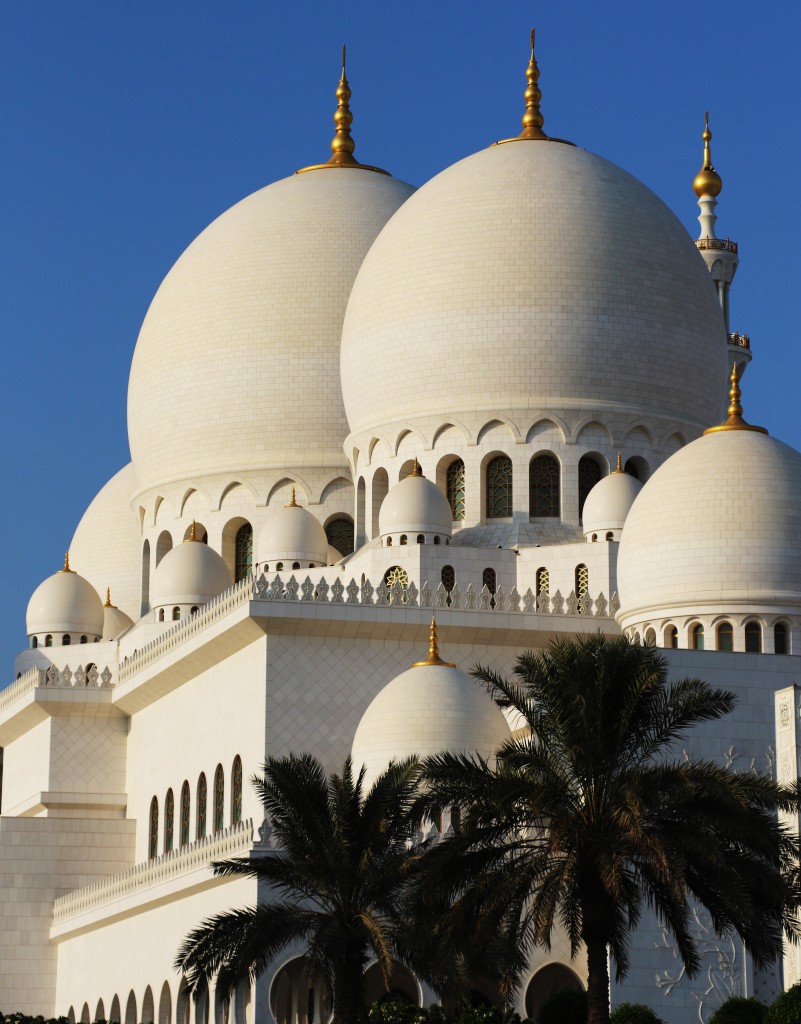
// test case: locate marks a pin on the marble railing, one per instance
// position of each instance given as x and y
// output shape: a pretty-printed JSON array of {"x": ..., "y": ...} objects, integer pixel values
[
  {"x": 235, "y": 841},
  {"x": 65, "y": 678}
]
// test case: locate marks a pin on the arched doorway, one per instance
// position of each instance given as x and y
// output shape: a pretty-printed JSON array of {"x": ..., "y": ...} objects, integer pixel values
[
  {"x": 299, "y": 997},
  {"x": 547, "y": 982},
  {"x": 403, "y": 986}
]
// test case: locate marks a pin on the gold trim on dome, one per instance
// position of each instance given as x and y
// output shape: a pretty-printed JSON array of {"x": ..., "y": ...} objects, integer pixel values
[
  {"x": 532, "y": 119},
  {"x": 707, "y": 182},
  {"x": 433, "y": 650},
  {"x": 342, "y": 144},
  {"x": 735, "y": 420},
  {"x": 67, "y": 563}
]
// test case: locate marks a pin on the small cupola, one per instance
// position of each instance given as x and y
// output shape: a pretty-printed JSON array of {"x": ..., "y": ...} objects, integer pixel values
[
  {"x": 608, "y": 504},
  {"x": 188, "y": 577},
  {"x": 292, "y": 538},
  {"x": 415, "y": 512},
  {"x": 115, "y": 621},
  {"x": 64, "y": 609}
]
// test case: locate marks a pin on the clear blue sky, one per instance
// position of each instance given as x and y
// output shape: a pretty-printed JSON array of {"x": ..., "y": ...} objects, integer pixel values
[{"x": 128, "y": 127}]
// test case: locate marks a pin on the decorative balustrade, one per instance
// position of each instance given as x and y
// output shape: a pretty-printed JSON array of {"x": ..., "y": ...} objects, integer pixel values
[
  {"x": 235, "y": 841},
  {"x": 57, "y": 678},
  {"x": 724, "y": 244},
  {"x": 741, "y": 340}
]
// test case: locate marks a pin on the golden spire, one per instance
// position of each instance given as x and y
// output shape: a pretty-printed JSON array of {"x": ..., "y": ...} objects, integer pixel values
[
  {"x": 416, "y": 470},
  {"x": 342, "y": 144},
  {"x": 619, "y": 467},
  {"x": 108, "y": 603},
  {"x": 735, "y": 420},
  {"x": 532, "y": 119},
  {"x": 66, "y": 563},
  {"x": 707, "y": 182},
  {"x": 292, "y": 503},
  {"x": 192, "y": 531},
  {"x": 433, "y": 650}
]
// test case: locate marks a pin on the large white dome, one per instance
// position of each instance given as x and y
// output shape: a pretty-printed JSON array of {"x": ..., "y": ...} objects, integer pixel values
[
  {"x": 529, "y": 276},
  {"x": 107, "y": 543},
  {"x": 292, "y": 534},
  {"x": 65, "y": 603},
  {"x": 237, "y": 362},
  {"x": 717, "y": 529}
]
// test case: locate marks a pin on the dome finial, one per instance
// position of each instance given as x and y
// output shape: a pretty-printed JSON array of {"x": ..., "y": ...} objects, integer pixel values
[
  {"x": 735, "y": 419},
  {"x": 108, "y": 603},
  {"x": 292, "y": 502},
  {"x": 532, "y": 119},
  {"x": 433, "y": 650},
  {"x": 66, "y": 563},
  {"x": 342, "y": 144},
  {"x": 192, "y": 531},
  {"x": 416, "y": 470},
  {"x": 707, "y": 182},
  {"x": 619, "y": 467}
]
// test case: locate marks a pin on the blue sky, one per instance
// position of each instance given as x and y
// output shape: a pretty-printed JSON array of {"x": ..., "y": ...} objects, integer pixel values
[{"x": 128, "y": 127}]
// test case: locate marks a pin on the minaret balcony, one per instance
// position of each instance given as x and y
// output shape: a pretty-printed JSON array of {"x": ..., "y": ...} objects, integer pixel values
[
  {"x": 740, "y": 340},
  {"x": 724, "y": 244}
]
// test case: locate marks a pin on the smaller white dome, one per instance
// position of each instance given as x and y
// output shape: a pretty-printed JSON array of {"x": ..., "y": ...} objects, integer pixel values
[
  {"x": 190, "y": 574},
  {"x": 65, "y": 603},
  {"x": 609, "y": 502},
  {"x": 334, "y": 555},
  {"x": 292, "y": 534},
  {"x": 430, "y": 708},
  {"x": 115, "y": 621},
  {"x": 415, "y": 505}
]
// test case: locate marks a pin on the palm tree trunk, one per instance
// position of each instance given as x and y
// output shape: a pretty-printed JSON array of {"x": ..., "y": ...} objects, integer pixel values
[
  {"x": 597, "y": 982},
  {"x": 348, "y": 993}
]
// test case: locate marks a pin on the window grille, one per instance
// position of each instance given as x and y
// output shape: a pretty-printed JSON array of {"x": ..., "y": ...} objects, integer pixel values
[
  {"x": 455, "y": 489},
  {"x": 169, "y": 816},
  {"x": 697, "y": 637},
  {"x": 780, "y": 638},
  {"x": 202, "y": 799},
  {"x": 582, "y": 586},
  {"x": 499, "y": 488},
  {"x": 236, "y": 791},
  {"x": 153, "y": 839},
  {"x": 219, "y": 799},
  {"x": 340, "y": 535},
  {"x": 753, "y": 638},
  {"x": 185, "y": 808},
  {"x": 396, "y": 574},
  {"x": 589, "y": 473},
  {"x": 543, "y": 487},
  {"x": 543, "y": 581},
  {"x": 243, "y": 552}
]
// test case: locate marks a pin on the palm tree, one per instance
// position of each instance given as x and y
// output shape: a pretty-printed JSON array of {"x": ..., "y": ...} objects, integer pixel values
[
  {"x": 587, "y": 816},
  {"x": 335, "y": 878}
]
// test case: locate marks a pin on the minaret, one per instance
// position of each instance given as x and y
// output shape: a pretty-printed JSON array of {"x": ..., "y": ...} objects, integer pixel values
[{"x": 720, "y": 254}]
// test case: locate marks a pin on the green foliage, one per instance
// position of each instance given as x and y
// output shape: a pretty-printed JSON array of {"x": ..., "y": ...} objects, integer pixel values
[
  {"x": 26, "y": 1018},
  {"x": 486, "y": 1015},
  {"x": 566, "y": 1007},
  {"x": 391, "y": 1012},
  {"x": 739, "y": 1010},
  {"x": 634, "y": 1013},
  {"x": 786, "y": 1009}
]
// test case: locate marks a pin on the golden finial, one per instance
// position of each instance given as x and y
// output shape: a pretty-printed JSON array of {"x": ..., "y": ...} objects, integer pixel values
[
  {"x": 342, "y": 145},
  {"x": 416, "y": 470},
  {"x": 192, "y": 531},
  {"x": 292, "y": 502},
  {"x": 735, "y": 420},
  {"x": 532, "y": 119},
  {"x": 619, "y": 467},
  {"x": 433, "y": 650},
  {"x": 707, "y": 182},
  {"x": 108, "y": 603},
  {"x": 66, "y": 563}
]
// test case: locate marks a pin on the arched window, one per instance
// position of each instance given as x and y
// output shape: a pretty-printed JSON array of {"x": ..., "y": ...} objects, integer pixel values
[
  {"x": 296, "y": 565},
  {"x": 671, "y": 636},
  {"x": 589, "y": 473},
  {"x": 340, "y": 534},
  {"x": 634, "y": 467},
  {"x": 610, "y": 535},
  {"x": 595, "y": 538},
  {"x": 421, "y": 538},
  {"x": 279, "y": 566},
  {"x": 176, "y": 613},
  {"x": 169, "y": 821},
  {"x": 499, "y": 488},
  {"x": 66, "y": 640},
  {"x": 396, "y": 574},
  {"x": 153, "y": 836},
  {"x": 636, "y": 637},
  {"x": 35, "y": 642},
  {"x": 84, "y": 639},
  {"x": 243, "y": 552},
  {"x": 389, "y": 542},
  {"x": 448, "y": 577},
  {"x": 404, "y": 539},
  {"x": 161, "y": 615},
  {"x": 236, "y": 791},
  {"x": 436, "y": 539},
  {"x": 582, "y": 586},
  {"x": 202, "y": 799},
  {"x": 725, "y": 637},
  {"x": 455, "y": 489},
  {"x": 194, "y": 610},
  {"x": 753, "y": 638},
  {"x": 650, "y": 637},
  {"x": 185, "y": 802},
  {"x": 219, "y": 799},
  {"x": 490, "y": 581},
  {"x": 543, "y": 487},
  {"x": 697, "y": 637},
  {"x": 543, "y": 581},
  {"x": 780, "y": 645},
  {"x": 49, "y": 640}
]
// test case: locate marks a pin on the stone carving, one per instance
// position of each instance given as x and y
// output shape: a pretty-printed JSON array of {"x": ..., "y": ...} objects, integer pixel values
[
  {"x": 292, "y": 589},
  {"x": 558, "y": 603},
  {"x": 411, "y": 595},
  {"x": 600, "y": 606},
  {"x": 307, "y": 590},
  {"x": 105, "y": 677},
  {"x": 367, "y": 592},
  {"x": 456, "y": 596},
  {"x": 485, "y": 598},
  {"x": 529, "y": 602},
  {"x": 322, "y": 589},
  {"x": 425, "y": 596},
  {"x": 337, "y": 590},
  {"x": 442, "y": 596},
  {"x": 277, "y": 589},
  {"x": 470, "y": 597},
  {"x": 353, "y": 592},
  {"x": 500, "y": 599},
  {"x": 784, "y": 714}
]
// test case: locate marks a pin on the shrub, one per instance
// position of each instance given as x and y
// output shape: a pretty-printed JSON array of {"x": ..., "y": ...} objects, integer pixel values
[
  {"x": 739, "y": 1010},
  {"x": 486, "y": 1015},
  {"x": 566, "y": 1007},
  {"x": 786, "y": 1009},
  {"x": 634, "y": 1013},
  {"x": 392, "y": 1012}
]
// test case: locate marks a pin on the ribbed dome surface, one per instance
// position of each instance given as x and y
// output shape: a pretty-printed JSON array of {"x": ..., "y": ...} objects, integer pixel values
[
  {"x": 527, "y": 275},
  {"x": 716, "y": 528},
  {"x": 237, "y": 362}
]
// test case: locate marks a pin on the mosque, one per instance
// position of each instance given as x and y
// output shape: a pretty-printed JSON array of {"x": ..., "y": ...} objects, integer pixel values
[{"x": 354, "y": 405}]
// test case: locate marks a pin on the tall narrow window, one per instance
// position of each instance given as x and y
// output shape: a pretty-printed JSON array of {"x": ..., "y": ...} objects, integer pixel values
[
  {"x": 169, "y": 821},
  {"x": 499, "y": 488},
  {"x": 671, "y": 637},
  {"x": 697, "y": 637},
  {"x": 243, "y": 552},
  {"x": 202, "y": 799},
  {"x": 589, "y": 473},
  {"x": 582, "y": 586},
  {"x": 543, "y": 487},
  {"x": 490, "y": 581},
  {"x": 185, "y": 802},
  {"x": 66, "y": 640},
  {"x": 49, "y": 640},
  {"x": 236, "y": 791},
  {"x": 455, "y": 489},
  {"x": 340, "y": 534},
  {"x": 725, "y": 637},
  {"x": 780, "y": 645},
  {"x": 219, "y": 799},
  {"x": 543, "y": 581},
  {"x": 153, "y": 837},
  {"x": 448, "y": 577},
  {"x": 753, "y": 638},
  {"x": 176, "y": 613}
]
